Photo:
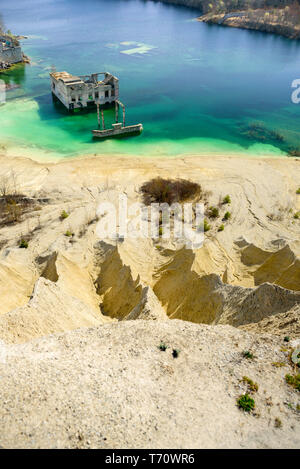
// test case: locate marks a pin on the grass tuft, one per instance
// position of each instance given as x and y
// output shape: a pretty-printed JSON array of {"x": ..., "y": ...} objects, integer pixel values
[
  {"x": 293, "y": 380},
  {"x": 214, "y": 212},
  {"x": 63, "y": 215},
  {"x": 206, "y": 226},
  {"x": 162, "y": 347},
  {"x": 23, "y": 244},
  {"x": 227, "y": 199},
  {"x": 253, "y": 387},
  {"x": 246, "y": 403}
]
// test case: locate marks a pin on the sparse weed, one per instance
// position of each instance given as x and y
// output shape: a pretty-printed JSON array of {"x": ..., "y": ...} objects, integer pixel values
[
  {"x": 293, "y": 381},
  {"x": 162, "y": 347},
  {"x": 23, "y": 244},
  {"x": 63, "y": 215},
  {"x": 253, "y": 387},
  {"x": 206, "y": 226},
  {"x": 284, "y": 349},
  {"x": 214, "y": 212},
  {"x": 278, "y": 364},
  {"x": 278, "y": 423}
]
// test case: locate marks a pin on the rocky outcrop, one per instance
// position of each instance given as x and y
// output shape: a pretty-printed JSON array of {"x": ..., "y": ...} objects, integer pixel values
[
  {"x": 268, "y": 16},
  {"x": 258, "y": 20}
]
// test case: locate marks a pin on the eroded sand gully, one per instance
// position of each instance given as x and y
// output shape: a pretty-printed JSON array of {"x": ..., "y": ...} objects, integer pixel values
[{"x": 241, "y": 276}]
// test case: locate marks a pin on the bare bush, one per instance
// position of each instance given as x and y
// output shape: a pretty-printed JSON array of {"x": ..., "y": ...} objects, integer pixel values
[
  {"x": 13, "y": 204},
  {"x": 160, "y": 190}
]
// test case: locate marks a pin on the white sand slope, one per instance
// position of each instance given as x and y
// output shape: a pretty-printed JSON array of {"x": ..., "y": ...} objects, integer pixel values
[
  {"x": 223, "y": 282},
  {"x": 82, "y": 317},
  {"x": 111, "y": 387}
]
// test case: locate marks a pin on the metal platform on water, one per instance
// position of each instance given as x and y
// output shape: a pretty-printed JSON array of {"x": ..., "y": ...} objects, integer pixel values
[{"x": 118, "y": 130}]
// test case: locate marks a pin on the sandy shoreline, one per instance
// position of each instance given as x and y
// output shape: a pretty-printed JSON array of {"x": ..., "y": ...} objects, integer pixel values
[{"x": 44, "y": 157}]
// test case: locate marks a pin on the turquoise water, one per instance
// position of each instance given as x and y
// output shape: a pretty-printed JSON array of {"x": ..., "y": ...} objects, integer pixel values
[{"x": 196, "y": 88}]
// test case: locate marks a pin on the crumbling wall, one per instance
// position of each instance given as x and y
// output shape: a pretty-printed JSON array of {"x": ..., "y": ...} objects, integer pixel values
[{"x": 11, "y": 55}]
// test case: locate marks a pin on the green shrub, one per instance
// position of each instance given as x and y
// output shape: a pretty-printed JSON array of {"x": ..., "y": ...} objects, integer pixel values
[
  {"x": 63, "y": 215},
  {"x": 286, "y": 338},
  {"x": 297, "y": 215},
  {"x": 293, "y": 381},
  {"x": 221, "y": 228},
  {"x": 213, "y": 212},
  {"x": 23, "y": 244},
  {"x": 247, "y": 354},
  {"x": 246, "y": 403},
  {"x": 68, "y": 233},
  {"x": 227, "y": 216},
  {"x": 175, "y": 353},
  {"x": 227, "y": 199},
  {"x": 298, "y": 191},
  {"x": 162, "y": 347},
  {"x": 206, "y": 226}
]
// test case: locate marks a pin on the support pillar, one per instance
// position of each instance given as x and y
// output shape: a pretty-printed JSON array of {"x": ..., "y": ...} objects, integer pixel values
[
  {"x": 117, "y": 111},
  {"x": 103, "y": 123},
  {"x": 98, "y": 115}
]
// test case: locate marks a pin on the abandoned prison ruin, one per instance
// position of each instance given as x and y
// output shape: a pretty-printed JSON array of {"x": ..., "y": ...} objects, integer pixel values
[{"x": 77, "y": 92}]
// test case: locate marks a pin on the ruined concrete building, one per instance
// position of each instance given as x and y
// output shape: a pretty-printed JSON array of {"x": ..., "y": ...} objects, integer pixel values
[
  {"x": 77, "y": 92},
  {"x": 10, "y": 51}
]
